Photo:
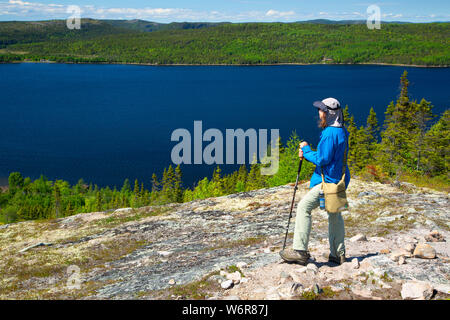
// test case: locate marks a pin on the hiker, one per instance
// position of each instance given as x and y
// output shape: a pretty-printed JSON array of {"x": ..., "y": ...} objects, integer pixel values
[{"x": 329, "y": 156}]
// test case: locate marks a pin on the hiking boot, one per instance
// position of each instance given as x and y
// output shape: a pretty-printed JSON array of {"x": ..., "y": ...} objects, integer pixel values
[
  {"x": 338, "y": 261},
  {"x": 295, "y": 256}
]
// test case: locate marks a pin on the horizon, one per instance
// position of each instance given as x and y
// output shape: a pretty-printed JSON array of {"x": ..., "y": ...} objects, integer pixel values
[
  {"x": 362, "y": 21},
  {"x": 233, "y": 11}
]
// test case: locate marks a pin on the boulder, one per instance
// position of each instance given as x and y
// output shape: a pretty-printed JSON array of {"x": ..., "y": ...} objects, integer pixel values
[
  {"x": 415, "y": 290},
  {"x": 227, "y": 284},
  {"x": 424, "y": 251}
]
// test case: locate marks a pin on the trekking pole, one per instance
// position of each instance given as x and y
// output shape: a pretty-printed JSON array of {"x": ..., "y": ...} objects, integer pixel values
[{"x": 293, "y": 200}]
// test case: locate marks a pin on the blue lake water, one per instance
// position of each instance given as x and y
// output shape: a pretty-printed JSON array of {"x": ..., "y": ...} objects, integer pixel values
[{"x": 105, "y": 123}]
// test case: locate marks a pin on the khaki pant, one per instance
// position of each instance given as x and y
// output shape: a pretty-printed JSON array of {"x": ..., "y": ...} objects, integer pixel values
[{"x": 336, "y": 230}]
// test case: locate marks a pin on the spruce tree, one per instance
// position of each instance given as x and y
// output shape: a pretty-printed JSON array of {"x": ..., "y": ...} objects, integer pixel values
[
  {"x": 352, "y": 145},
  {"x": 242, "y": 176},
  {"x": 126, "y": 188},
  {"x": 155, "y": 183},
  {"x": 142, "y": 191},
  {"x": 217, "y": 183},
  {"x": 178, "y": 185},
  {"x": 98, "y": 200},
  {"x": 437, "y": 152},
  {"x": 136, "y": 189},
  {"x": 397, "y": 142},
  {"x": 57, "y": 199},
  {"x": 346, "y": 114},
  {"x": 372, "y": 125},
  {"x": 422, "y": 118},
  {"x": 371, "y": 134},
  {"x": 361, "y": 152}
]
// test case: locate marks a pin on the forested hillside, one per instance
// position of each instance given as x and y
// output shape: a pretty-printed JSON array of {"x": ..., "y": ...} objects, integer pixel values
[{"x": 240, "y": 43}]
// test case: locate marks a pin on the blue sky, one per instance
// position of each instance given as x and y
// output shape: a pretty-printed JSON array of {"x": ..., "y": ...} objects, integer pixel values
[{"x": 226, "y": 10}]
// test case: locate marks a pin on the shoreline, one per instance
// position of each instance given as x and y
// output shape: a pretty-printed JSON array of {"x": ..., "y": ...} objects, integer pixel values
[{"x": 238, "y": 65}]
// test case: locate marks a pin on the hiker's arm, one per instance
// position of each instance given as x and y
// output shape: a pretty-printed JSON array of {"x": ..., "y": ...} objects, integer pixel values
[{"x": 323, "y": 155}]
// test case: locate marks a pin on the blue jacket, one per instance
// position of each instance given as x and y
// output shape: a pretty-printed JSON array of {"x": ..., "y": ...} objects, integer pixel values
[{"x": 329, "y": 155}]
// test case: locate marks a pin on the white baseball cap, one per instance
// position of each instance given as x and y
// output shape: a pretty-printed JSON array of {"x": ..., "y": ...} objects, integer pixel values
[{"x": 328, "y": 103}]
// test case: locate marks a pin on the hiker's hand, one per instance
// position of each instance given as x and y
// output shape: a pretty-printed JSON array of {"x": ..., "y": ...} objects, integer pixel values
[
  {"x": 300, "y": 153},
  {"x": 303, "y": 143}
]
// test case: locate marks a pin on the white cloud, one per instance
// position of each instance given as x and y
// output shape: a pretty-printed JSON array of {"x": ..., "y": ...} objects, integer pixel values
[
  {"x": 34, "y": 10},
  {"x": 279, "y": 14}
]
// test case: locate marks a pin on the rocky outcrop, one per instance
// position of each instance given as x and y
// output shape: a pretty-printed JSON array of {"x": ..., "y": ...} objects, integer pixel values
[{"x": 227, "y": 247}]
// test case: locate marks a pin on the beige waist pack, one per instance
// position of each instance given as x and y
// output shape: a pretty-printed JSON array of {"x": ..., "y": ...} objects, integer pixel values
[{"x": 335, "y": 196}]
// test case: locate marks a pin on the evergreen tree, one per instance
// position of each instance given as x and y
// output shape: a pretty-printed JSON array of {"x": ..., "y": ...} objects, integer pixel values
[
  {"x": 362, "y": 147},
  {"x": 352, "y": 145},
  {"x": 437, "y": 152},
  {"x": 168, "y": 192},
  {"x": 346, "y": 114},
  {"x": 142, "y": 192},
  {"x": 371, "y": 136},
  {"x": 98, "y": 200},
  {"x": 136, "y": 189},
  {"x": 178, "y": 185},
  {"x": 242, "y": 177},
  {"x": 372, "y": 126},
  {"x": 57, "y": 199},
  {"x": 423, "y": 116},
  {"x": 126, "y": 188},
  {"x": 217, "y": 184},
  {"x": 396, "y": 140}
]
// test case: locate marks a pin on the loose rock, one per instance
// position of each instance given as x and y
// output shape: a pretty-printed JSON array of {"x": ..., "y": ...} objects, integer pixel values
[
  {"x": 355, "y": 263},
  {"x": 424, "y": 251},
  {"x": 227, "y": 284}
]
